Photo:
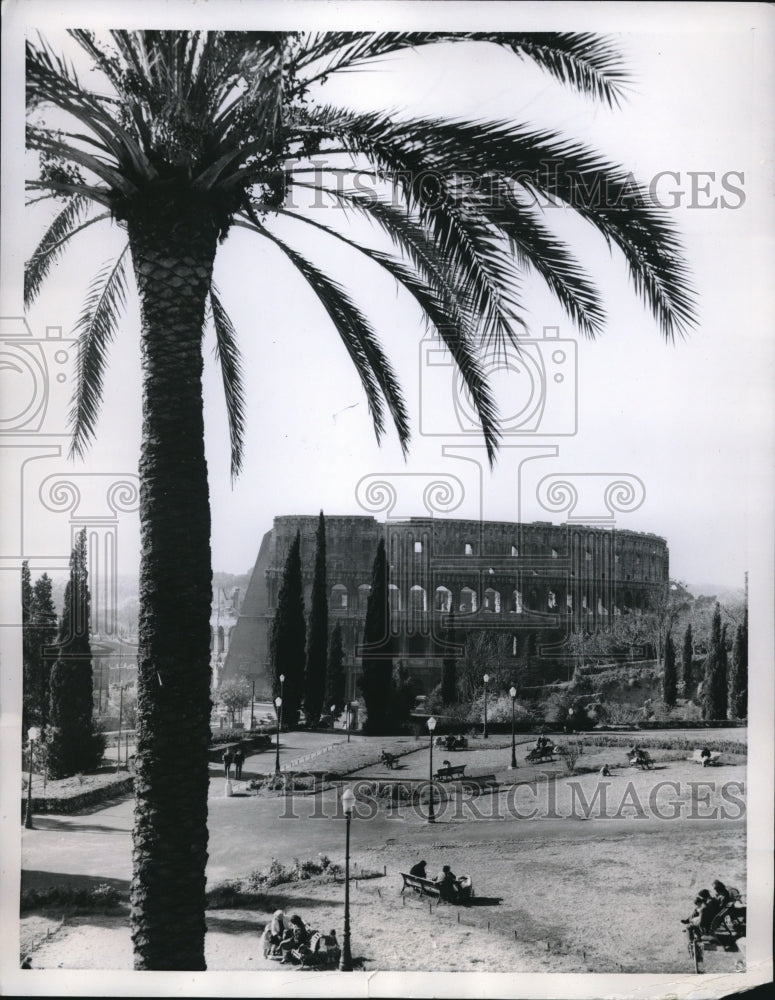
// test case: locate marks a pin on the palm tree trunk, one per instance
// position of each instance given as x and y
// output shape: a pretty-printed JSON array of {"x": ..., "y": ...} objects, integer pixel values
[{"x": 172, "y": 251}]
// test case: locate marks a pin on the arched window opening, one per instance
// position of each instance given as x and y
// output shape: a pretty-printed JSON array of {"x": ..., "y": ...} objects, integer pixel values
[
  {"x": 417, "y": 599},
  {"x": 443, "y": 599},
  {"x": 468, "y": 602},
  {"x": 339, "y": 597},
  {"x": 492, "y": 600}
]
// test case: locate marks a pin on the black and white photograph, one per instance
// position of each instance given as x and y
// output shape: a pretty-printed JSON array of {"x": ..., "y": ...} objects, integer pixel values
[{"x": 386, "y": 440}]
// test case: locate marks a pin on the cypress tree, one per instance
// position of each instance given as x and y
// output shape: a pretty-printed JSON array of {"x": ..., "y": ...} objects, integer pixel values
[
  {"x": 687, "y": 675},
  {"x": 669, "y": 677},
  {"x": 44, "y": 635},
  {"x": 335, "y": 673},
  {"x": 402, "y": 698},
  {"x": 449, "y": 666},
  {"x": 714, "y": 688},
  {"x": 317, "y": 638},
  {"x": 286, "y": 644},
  {"x": 377, "y": 678},
  {"x": 74, "y": 744},
  {"x": 738, "y": 679}
]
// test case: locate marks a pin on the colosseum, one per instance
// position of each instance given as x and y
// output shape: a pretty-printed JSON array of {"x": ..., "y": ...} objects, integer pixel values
[{"x": 496, "y": 575}]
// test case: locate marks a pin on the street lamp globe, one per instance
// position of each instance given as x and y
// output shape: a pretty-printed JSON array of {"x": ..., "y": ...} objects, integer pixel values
[
  {"x": 486, "y": 678},
  {"x": 513, "y": 692},
  {"x": 348, "y": 801},
  {"x": 278, "y": 702},
  {"x": 431, "y": 724},
  {"x": 33, "y": 734},
  {"x": 282, "y": 678}
]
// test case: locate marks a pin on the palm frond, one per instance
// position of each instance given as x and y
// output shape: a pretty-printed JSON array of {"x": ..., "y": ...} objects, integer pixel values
[
  {"x": 535, "y": 246},
  {"x": 465, "y": 239},
  {"x": 228, "y": 354},
  {"x": 588, "y": 63},
  {"x": 96, "y": 328},
  {"x": 443, "y": 314},
  {"x": 538, "y": 163},
  {"x": 51, "y": 246},
  {"x": 374, "y": 370}
]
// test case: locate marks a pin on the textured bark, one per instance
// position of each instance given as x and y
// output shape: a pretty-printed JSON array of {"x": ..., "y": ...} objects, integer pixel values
[{"x": 173, "y": 245}]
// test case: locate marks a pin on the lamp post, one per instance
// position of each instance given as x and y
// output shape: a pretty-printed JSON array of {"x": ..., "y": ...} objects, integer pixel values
[
  {"x": 33, "y": 735},
  {"x": 513, "y": 693},
  {"x": 349, "y": 716},
  {"x": 431, "y": 727},
  {"x": 282, "y": 681},
  {"x": 485, "y": 679},
  {"x": 278, "y": 704},
  {"x": 346, "y": 961},
  {"x": 252, "y": 700},
  {"x": 333, "y": 716}
]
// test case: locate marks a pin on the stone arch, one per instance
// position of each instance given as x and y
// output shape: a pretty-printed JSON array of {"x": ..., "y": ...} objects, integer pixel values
[
  {"x": 418, "y": 600},
  {"x": 339, "y": 597},
  {"x": 443, "y": 599},
  {"x": 492, "y": 600},
  {"x": 468, "y": 600}
]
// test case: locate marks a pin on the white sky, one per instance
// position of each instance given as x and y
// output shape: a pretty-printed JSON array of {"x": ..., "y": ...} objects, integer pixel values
[{"x": 692, "y": 421}]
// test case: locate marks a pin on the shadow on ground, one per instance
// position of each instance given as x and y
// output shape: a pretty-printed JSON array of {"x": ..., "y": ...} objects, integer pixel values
[{"x": 38, "y": 881}]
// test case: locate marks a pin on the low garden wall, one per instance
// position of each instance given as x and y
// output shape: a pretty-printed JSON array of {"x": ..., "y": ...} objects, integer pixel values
[{"x": 81, "y": 801}]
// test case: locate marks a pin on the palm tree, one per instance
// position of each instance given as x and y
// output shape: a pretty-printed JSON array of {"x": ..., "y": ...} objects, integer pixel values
[{"x": 187, "y": 135}]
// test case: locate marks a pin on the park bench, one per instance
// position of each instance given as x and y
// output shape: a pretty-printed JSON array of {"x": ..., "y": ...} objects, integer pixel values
[
  {"x": 706, "y": 761},
  {"x": 450, "y": 772},
  {"x": 422, "y": 886},
  {"x": 388, "y": 759},
  {"x": 317, "y": 952}
]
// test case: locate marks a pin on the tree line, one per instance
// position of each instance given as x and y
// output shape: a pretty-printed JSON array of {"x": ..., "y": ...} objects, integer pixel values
[
  {"x": 723, "y": 688},
  {"x": 58, "y": 686},
  {"x": 309, "y": 654}
]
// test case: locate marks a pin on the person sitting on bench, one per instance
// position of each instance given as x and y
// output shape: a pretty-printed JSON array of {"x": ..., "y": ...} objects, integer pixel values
[
  {"x": 449, "y": 887},
  {"x": 705, "y": 909},
  {"x": 419, "y": 869},
  {"x": 734, "y": 913}
]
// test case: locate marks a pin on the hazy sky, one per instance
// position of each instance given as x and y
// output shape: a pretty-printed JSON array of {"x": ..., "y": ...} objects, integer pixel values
[{"x": 691, "y": 421}]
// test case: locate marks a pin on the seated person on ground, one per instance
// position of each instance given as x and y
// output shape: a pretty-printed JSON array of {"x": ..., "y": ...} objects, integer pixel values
[
  {"x": 331, "y": 946},
  {"x": 296, "y": 936},
  {"x": 419, "y": 869},
  {"x": 274, "y": 932}
]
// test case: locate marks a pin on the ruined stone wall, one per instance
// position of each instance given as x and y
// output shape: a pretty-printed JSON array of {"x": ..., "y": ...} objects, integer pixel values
[{"x": 493, "y": 575}]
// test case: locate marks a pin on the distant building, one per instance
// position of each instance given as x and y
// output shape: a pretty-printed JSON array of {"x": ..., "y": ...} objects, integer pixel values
[
  {"x": 223, "y": 619},
  {"x": 495, "y": 575}
]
